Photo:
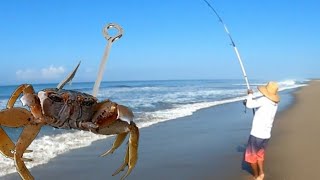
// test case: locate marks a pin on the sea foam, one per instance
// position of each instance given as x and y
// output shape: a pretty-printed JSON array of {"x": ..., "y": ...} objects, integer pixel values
[{"x": 48, "y": 147}]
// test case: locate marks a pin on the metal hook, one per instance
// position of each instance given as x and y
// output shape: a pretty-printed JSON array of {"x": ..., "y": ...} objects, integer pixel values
[
  {"x": 110, "y": 39},
  {"x": 116, "y": 37}
]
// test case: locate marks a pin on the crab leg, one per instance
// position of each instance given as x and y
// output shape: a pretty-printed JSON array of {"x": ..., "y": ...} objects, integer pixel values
[
  {"x": 124, "y": 114},
  {"x": 25, "y": 88},
  {"x": 29, "y": 99},
  {"x": 6, "y": 145},
  {"x": 119, "y": 140},
  {"x": 124, "y": 164},
  {"x": 14, "y": 117},
  {"x": 28, "y": 134},
  {"x": 132, "y": 151}
]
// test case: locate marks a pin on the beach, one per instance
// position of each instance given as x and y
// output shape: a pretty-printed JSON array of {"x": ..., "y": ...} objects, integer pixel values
[
  {"x": 192, "y": 147},
  {"x": 292, "y": 152},
  {"x": 209, "y": 144}
]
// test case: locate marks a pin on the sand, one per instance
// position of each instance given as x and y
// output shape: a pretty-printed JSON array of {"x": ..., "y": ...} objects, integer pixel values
[
  {"x": 293, "y": 150},
  {"x": 207, "y": 145}
]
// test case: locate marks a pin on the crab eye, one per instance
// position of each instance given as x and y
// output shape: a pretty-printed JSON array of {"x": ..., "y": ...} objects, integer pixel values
[{"x": 55, "y": 98}]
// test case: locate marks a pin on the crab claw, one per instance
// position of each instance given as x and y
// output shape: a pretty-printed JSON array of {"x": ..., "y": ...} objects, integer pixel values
[
  {"x": 117, "y": 119},
  {"x": 124, "y": 114},
  {"x": 132, "y": 151}
]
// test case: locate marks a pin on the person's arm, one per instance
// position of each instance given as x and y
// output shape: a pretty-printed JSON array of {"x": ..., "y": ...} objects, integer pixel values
[{"x": 252, "y": 103}]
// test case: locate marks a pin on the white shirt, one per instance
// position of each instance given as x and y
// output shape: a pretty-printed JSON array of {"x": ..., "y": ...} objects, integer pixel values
[{"x": 264, "y": 116}]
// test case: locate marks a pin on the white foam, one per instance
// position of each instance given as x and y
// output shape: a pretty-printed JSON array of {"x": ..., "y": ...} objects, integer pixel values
[
  {"x": 290, "y": 83},
  {"x": 3, "y": 103},
  {"x": 180, "y": 111},
  {"x": 48, "y": 147},
  {"x": 287, "y": 82},
  {"x": 53, "y": 146},
  {"x": 189, "y": 109}
]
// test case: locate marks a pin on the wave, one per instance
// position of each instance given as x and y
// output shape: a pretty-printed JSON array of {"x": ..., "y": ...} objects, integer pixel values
[
  {"x": 151, "y": 118},
  {"x": 3, "y": 102},
  {"x": 283, "y": 83},
  {"x": 287, "y": 83},
  {"x": 72, "y": 140},
  {"x": 77, "y": 139}
]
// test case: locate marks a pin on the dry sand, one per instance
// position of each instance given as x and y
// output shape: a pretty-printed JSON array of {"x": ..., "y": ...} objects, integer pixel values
[{"x": 294, "y": 147}]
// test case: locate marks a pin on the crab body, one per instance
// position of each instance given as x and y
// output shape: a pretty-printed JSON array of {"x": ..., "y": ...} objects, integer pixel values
[
  {"x": 68, "y": 109},
  {"x": 65, "y": 109}
]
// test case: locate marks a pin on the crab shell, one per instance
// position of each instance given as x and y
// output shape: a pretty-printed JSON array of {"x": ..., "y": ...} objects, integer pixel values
[{"x": 70, "y": 109}]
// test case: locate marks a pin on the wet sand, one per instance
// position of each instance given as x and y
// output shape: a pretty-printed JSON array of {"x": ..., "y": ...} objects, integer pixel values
[
  {"x": 207, "y": 145},
  {"x": 195, "y": 147}
]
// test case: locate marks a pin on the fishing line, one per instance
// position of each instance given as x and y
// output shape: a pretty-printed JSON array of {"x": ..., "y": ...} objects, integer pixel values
[
  {"x": 232, "y": 43},
  {"x": 235, "y": 50}
]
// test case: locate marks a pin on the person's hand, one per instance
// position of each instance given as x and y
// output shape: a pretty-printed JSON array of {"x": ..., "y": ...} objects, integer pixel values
[{"x": 250, "y": 91}]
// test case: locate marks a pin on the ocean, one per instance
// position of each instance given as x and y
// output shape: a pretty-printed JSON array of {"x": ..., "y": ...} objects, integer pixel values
[{"x": 151, "y": 101}]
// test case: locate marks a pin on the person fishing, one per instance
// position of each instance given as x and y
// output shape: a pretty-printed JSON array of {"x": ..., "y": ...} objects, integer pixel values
[
  {"x": 263, "y": 117},
  {"x": 266, "y": 108}
]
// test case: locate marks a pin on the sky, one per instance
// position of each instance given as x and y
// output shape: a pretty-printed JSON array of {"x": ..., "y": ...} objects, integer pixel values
[{"x": 42, "y": 41}]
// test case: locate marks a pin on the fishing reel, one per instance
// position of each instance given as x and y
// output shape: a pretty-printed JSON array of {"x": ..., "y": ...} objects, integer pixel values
[{"x": 244, "y": 102}]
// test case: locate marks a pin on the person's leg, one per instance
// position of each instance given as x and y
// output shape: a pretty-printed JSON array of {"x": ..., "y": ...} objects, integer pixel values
[
  {"x": 260, "y": 158},
  {"x": 260, "y": 171},
  {"x": 250, "y": 156},
  {"x": 255, "y": 169}
]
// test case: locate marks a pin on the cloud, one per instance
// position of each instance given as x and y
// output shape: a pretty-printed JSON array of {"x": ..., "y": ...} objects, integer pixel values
[
  {"x": 49, "y": 73},
  {"x": 52, "y": 72},
  {"x": 26, "y": 74}
]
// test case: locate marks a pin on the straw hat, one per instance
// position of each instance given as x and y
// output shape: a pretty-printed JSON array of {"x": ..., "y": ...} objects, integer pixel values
[{"x": 270, "y": 91}]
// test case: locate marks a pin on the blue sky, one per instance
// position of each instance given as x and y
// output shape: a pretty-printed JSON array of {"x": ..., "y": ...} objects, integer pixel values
[{"x": 41, "y": 41}]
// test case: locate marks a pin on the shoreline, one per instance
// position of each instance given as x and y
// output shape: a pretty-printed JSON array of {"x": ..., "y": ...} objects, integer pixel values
[
  {"x": 176, "y": 149},
  {"x": 201, "y": 146}
]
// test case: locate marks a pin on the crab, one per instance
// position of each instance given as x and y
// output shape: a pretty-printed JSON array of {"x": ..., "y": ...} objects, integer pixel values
[{"x": 65, "y": 109}]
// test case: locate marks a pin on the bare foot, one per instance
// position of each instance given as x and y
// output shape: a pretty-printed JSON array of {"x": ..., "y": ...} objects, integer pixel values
[
  {"x": 260, "y": 177},
  {"x": 256, "y": 178}
]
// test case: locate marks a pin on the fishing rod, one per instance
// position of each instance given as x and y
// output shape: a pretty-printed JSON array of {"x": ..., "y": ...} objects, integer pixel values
[{"x": 232, "y": 43}]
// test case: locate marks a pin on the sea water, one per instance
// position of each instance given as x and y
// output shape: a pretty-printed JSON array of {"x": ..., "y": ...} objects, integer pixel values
[{"x": 151, "y": 101}]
